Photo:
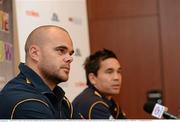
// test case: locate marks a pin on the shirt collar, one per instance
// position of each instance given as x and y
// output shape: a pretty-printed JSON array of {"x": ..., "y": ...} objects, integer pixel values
[
  {"x": 98, "y": 93},
  {"x": 34, "y": 78},
  {"x": 59, "y": 92}
]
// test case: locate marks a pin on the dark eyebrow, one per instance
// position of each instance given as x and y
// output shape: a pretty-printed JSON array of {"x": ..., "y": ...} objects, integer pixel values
[
  {"x": 110, "y": 69},
  {"x": 61, "y": 47}
]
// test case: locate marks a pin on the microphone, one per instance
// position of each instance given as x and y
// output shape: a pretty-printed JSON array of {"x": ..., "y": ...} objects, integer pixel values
[{"x": 158, "y": 110}]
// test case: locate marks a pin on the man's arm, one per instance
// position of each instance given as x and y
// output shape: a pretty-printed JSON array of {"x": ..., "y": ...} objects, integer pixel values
[
  {"x": 32, "y": 110},
  {"x": 99, "y": 110}
]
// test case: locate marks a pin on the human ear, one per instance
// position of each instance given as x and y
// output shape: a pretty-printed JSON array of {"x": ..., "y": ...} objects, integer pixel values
[
  {"x": 34, "y": 52},
  {"x": 92, "y": 78}
]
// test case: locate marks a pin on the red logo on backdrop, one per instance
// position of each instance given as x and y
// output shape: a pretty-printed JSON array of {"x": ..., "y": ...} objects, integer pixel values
[
  {"x": 32, "y": 13},
  {"x": 80, "y": 84},
  {"x": 75, "y": 20}
]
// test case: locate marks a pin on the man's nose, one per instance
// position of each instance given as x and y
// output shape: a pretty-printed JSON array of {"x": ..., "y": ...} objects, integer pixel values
[
  {"x": 117, "y": 76},
  {"x": 68, "y": 59}
]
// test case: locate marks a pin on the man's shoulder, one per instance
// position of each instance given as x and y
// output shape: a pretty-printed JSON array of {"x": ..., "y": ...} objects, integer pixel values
[
  {"x": 17, "y": 93},
  {"x": 89, "y": 102},
  {"x": 16, "y": 90},
  {"x": 88, "y": 95},
  {"x": 88, "y": 98},
  {"x": 18, "y": 87}
]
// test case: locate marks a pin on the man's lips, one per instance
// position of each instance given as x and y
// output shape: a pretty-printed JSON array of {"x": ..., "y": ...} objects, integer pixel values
[
  {"x": 67, "y": 69},
  {"x": 116, "y": 86}
]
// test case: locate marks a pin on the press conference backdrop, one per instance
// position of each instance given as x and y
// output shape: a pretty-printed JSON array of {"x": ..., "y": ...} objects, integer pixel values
[
  {"x": 6, "y": 42},
  {"x": 70, "y": 14}
]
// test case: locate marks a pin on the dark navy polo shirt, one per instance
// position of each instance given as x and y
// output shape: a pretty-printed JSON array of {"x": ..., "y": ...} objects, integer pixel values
[
  {"x": 91, "y": 104},
  {"x": 28, "y": 97}
]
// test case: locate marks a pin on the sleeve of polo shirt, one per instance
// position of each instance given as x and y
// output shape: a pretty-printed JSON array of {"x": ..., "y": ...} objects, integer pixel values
[
  {"x": 32, "y": 110},
  {"x": 99, "y": 111}
]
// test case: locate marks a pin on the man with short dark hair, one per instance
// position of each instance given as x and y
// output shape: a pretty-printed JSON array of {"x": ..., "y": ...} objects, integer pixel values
[{"x": 103, "y": 73}]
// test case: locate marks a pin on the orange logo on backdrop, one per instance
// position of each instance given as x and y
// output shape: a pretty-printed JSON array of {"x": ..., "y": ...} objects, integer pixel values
[
  {"x": 32, "y": 13},
  {"x": 80, "y": 84}
]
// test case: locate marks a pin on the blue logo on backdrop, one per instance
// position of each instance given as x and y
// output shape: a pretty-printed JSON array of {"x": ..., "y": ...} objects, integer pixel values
[
  {"x": 55, "y": 17},
  {"x": 77, "y": 52}
]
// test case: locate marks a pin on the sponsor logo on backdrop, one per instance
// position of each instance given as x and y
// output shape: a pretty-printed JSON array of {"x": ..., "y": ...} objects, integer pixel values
[
  {"x": 75, "y": 20},
  {"x": 80, "y": 84},
  {"x": 32, "y": 13},
  {"x": 55, "y": 17},
  {"x": 77, "y": 52}
]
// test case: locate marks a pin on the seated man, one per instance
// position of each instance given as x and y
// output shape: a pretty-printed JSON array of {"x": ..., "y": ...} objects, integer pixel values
[
  {"x": 34, "y": 93},
  {"x": 103, "y": 73}
]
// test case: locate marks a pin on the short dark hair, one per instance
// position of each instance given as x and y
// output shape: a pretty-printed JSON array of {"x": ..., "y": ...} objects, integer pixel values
[{"x": 92, "y": 62}]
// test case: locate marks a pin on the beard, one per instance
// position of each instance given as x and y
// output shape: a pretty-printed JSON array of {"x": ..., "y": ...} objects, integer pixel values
[{"x": 52, "y": 76}]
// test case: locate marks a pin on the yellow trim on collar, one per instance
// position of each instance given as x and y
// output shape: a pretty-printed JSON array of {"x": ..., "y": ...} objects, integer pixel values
[
  {"x": 69, "y": 105},
  {"x": 28, "y": 81},
  {"x": 97, "y": 93}
]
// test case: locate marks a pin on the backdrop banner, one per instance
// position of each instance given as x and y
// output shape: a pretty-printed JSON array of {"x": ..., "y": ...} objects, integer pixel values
[{"x": 6, "y": 42}]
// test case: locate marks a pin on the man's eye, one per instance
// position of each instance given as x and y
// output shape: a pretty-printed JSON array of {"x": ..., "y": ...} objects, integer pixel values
[
  {"x": 119, "y": 71},
  {"x": 109, "y": 71},
  {"x": 61, "y": 51}
]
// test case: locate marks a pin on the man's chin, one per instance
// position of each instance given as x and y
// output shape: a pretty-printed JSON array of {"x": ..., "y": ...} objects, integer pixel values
[
  {"x": 64, "y": 79},
  {"x": 116, "y": 92},
  {"x": 61, "y": 80}
]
